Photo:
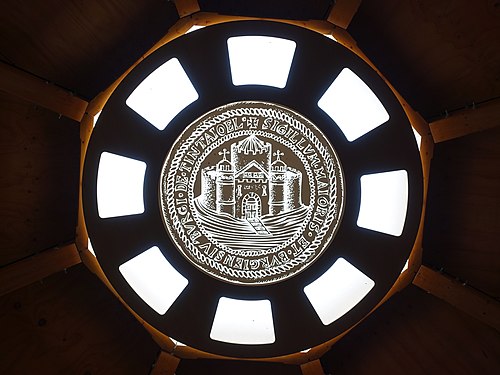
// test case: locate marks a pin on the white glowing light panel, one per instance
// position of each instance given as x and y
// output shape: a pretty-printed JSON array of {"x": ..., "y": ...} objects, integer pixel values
[
  {"x": 90, "y": 247},
  {"x": 154, "y": 279},
  {"x": 353, "y": 105},
  {"x": 194, "y": 28},
  {"x": 163, "y": 94},
  {"x": 243, "y": 322},
  {"x": 120, "y": 183},
  {"x": 418, "y": 138},
  {"x": 384, "y": 201},
  {"x": 260, "y": 60},
  {"x": 338, "y": 290}
]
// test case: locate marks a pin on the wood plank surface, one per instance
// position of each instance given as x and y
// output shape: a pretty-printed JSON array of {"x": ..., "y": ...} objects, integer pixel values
[
  {"x": 39, "y": 155},
  {"x": 463, "y": 222},
  {"x": 38, "y": 267},
  {"x": 71, "y": 324},
  {"x": 415, "y": 333}
]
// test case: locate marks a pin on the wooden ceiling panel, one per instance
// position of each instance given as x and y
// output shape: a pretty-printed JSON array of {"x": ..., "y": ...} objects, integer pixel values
[
  {"x": 463, "y": 213},
  {"x": 414, "y": 333},
  {"x": 81, "y": 45},
  {"x": 296, "y": 9},
  {"x": 440, "y": 55},
  {"x": 39, "y": 154},
  {"x": 71, "y": 324}
]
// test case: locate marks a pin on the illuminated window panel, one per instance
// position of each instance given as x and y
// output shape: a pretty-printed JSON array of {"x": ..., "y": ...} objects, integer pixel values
[
  {"x": 154, "y": 279},
  {"x": 384, "y": 201},
  {"x": 260, "y": 60},
  {"x": 338, "y": 290},
  {"x": 243, "y": 322},
  {"x": 96, "y": 117},
  {"x": 330, "y": 36},
  {"x": 194, "y": 28},
  {"x": 90, "y": 247},
  {"x": 405, "y": 267},
  {"x": 353, "y": 105},
  {"x": 418, "y": 138},
  {"x": 120, "y": 183},
  {"x": 163, "y": 94}
]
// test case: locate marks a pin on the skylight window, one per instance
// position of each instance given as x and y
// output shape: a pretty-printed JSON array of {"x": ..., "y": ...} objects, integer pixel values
[
  {"x": 163, "y": 94},
  {"x": 120, "y": 183},
  {"x": 338, "y": 290},
  {"x": 384, "y": 201},
  {"x": 353, "y": 105},
  {"x": 243, "y": 322},
  {"x": 260, "y": 60},
  {"x": 154, "y": 279}
]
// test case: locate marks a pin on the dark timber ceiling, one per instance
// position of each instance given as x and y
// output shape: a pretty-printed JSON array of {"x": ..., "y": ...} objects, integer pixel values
[{"x": 440, "y": 55}]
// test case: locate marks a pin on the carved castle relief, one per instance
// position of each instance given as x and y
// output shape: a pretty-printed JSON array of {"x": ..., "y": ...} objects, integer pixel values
[{"x": 248, "y": 184}]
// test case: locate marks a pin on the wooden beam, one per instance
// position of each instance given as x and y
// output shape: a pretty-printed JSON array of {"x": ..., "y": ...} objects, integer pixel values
[
  {"x": 35, "y": 90},
  {"x": 463, "y": 297},
  {"x": 37, "y": 267},
  {"x": 343, "y": 11},
  {"x": 484, "y": 116},
  {"x": 186, "y": 7},
  {"x": 312, "y": 368},
  {"x": 166, "y": 364}
]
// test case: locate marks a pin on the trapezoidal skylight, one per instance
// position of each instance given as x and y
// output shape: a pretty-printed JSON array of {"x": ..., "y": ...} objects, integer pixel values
[
  {"x": 384, "y": 201},
  {"x": 154, "y": 279},
  {"x": 353, "y": 105},
  {"x": 243, "y": 322},
  {"x": 163, "y": 94},
  {"x": 120, "y": 184},
  {"x": 338, "y": 290},
  {"x": 260, "y": 60}
]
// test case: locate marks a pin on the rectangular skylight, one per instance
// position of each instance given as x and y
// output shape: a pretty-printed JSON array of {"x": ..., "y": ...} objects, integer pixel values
[
  {"x": 353, "y": 105},
  {"x": 384, "y": 201},
  {"x": 120, "y": 183},
  {"x": 260, "y": 60},
  {"x": 154, "y": 279},
  {"x": 163, "y": 94},
  {"x": 338, "y": 290},
  {"x": 243, "y": 322}
]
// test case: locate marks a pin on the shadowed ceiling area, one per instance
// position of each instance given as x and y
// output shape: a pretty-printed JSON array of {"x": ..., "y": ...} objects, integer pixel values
[{"x": 443, "y": 57}]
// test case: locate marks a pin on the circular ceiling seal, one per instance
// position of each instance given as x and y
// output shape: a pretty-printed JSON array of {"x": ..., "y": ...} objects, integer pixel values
[
  {"x": 252, "y": 193},
  {"x": 249, "y": 253}
]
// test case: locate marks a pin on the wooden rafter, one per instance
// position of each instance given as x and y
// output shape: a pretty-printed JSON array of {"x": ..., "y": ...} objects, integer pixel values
[
  {"x": 186, "y": 7},
  {"x": 467, "y": 121},
  {"x": 166, "y": 364},
  {"x": 312, "y": 368},
  {"x": 37, "y": 267},
  {"x": 343, "y": 11},
  {"x": 35, "y": 90},
  {"x": 459, "y": 295}
]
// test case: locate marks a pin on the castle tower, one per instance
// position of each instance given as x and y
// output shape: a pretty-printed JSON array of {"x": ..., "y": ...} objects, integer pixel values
[
  {"x": 225, "y": 185},
  {"x": 277, "y": 197},
  {"x": 251, "y": 149}
]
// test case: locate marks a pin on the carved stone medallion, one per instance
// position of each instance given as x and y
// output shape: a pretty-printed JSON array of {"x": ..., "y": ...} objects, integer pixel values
[{"x": 252, "y": 193}]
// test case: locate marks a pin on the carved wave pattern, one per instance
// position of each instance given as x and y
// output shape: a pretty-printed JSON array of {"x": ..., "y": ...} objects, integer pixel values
[{"x": 239, "y": 235}]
